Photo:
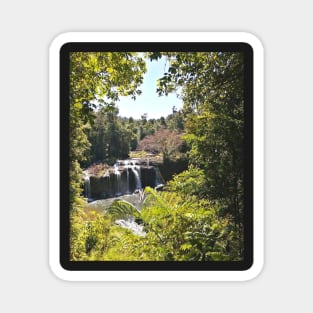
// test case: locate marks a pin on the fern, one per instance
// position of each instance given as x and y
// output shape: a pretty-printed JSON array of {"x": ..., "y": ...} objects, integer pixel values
[
  {"x": 163, "y": 200},
  {"x": 120, "y": 209}
]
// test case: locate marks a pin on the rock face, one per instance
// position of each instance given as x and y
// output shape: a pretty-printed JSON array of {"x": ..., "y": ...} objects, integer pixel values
[{"x": 125, "y": 177}]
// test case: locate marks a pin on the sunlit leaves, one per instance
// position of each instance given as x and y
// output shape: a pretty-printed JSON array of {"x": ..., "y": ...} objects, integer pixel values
[
  {"x": 176, "y": 229},
  {"x": 122, "y": 209},
  {"x": 188, "y": 228},
  {"x": 199, "y": 216},
  {"x": 96, "y": 77},
  {"x": 213, "y": 93},
  {"x": 89, "y": 235},
  {"x": 188, "y": 183}
]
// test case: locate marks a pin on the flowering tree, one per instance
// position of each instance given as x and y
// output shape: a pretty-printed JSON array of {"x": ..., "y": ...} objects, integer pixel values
[{"x": 165, "y": 141}]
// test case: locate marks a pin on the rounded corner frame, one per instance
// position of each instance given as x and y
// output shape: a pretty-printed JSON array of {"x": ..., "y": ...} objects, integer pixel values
[{"x": 258, "y": 156}]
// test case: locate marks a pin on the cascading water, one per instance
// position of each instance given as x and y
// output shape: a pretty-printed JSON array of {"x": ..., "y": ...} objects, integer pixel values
[
  {"x": 87, "y": 187},
  {"x": 159, "y": 181},
  {"x": 107, "y": 184},
  {"x": 127, "y": 182},
  {"x": 126, "y": 163},
  {"x": 118, "y": 181},
  {"x": 124, "y": 178},
  {"x": 131, "y": 225},
  {"x": 136, "y": 171}
]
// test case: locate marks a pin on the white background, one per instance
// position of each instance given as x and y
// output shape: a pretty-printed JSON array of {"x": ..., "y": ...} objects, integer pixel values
[{"x": 27, "y": 28}]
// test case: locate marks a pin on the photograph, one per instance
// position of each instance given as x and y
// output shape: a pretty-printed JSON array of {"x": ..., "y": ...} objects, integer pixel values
[{"x": 158, "y": 155}]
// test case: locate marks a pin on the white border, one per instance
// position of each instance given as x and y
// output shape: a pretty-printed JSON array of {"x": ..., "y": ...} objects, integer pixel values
[{"x": 54, "y": 152}]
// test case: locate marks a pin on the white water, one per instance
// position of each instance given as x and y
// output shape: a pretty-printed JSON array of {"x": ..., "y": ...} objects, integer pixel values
[
  {"x": 118, "y": 181},
  {"x": 136, "y": 171},
  {"x": 115, "y": 182},
  {"x": 87, "y": 187},
  {"x": 128, "y": 223},
  {"x": 131, "y": 225},
  {"x": 159, "y": 182},
  {"x": 127, "y": 181}
]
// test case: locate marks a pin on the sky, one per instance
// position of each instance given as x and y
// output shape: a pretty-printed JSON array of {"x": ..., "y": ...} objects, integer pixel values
[{"x": 149, "y": 102}]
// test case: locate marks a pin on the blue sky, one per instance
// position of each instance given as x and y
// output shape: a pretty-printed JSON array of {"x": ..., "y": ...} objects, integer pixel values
[{"x": 149, "y": 102}]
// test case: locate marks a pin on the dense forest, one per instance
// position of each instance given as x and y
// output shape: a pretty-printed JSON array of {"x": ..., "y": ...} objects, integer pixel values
[{"x": 197, "y": 215}]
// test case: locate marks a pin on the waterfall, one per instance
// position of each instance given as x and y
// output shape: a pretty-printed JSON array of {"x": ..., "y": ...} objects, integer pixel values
[
  {"x": 126, "y": 164},
  {"x": 159, "y": 181},
  {"x": 127, "y": 182},
  {"x": 107, "y": 184},
  {"x": 87, "y": 187},
  {"x": 136, "y": 171},
  {"x": 118, "y": 181},
  {"x": 124, "y": 178}
]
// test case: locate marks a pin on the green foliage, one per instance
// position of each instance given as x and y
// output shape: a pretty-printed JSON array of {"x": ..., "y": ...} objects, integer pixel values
[
  {"x": 109, "y": 137},
  {"x": 113, "y": 137},
  {"x": 177, "y": 229},
  {"x": 89, "y": 234},
  {"x": 189, "y": 183},
  {"x": 122, "y": 209},
  {"x": 212, "y": 91},
  {"x": 183, "y": 229},
  {"x": 104, "y": 75},
  {"x": 125, "y": 246},
  {"x": 96, "y": 77},
  {"x": 199, "y": 216}
]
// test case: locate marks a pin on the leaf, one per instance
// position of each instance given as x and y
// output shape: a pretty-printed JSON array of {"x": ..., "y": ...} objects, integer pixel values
[
  {"x": 186, "y": 246},
  {"x": 121, "y": 209},
  {"x": 78, "y": 105}
]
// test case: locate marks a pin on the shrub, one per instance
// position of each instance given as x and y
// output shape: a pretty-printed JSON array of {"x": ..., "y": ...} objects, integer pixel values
[{"x": 188, "y": 183}]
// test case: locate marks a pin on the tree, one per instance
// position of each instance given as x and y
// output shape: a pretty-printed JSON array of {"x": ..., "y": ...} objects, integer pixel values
[
  {"x": 96, "y": 77},
  {"x": 213, "y": 95},
  {"x": 175, "y": 228},
  {"x": 188, "y": 229},
  {"x": 109, "y": 136},
  {"x": 175, "y": 121},
  {"x": 162, "y": 141}
]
